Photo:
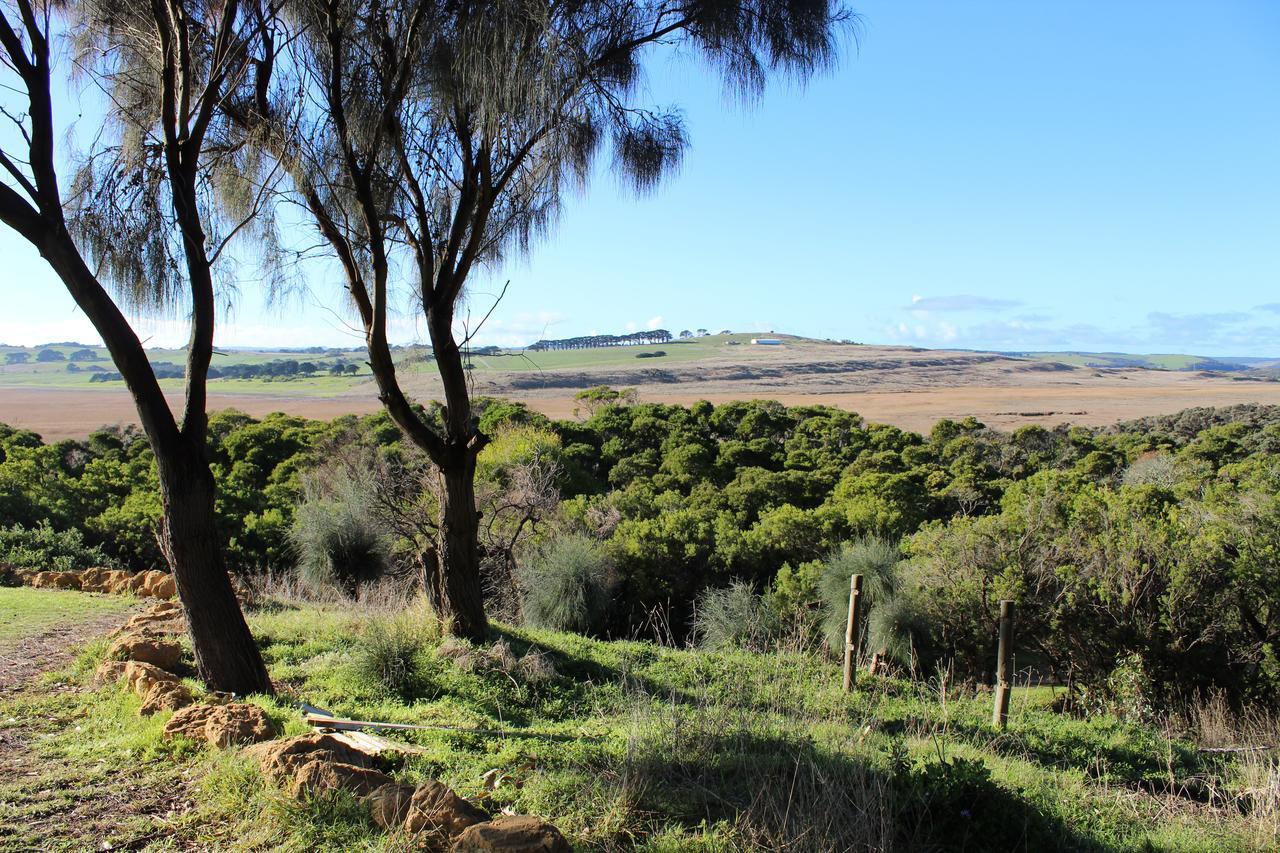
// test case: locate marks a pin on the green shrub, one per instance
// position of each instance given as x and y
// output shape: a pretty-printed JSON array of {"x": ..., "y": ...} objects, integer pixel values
[
  {"x": 734, "y": 617},
  {"x": 42, "y": 549},
  {"x": 568, "y": 585},
  {"x": 338, "y": 540},
  {"x": 389, "y": 656},
  {"x": 876, "y": 560}
]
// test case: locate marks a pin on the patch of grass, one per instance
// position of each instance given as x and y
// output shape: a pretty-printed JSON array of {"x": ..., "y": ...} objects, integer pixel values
[
  {"x": 25, "y": 612},
  {"x": 633, "y": 746}
]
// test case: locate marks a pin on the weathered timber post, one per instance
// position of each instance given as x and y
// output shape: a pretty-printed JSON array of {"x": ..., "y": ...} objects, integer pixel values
[
  {"x": 1000, "y": 713},
  {"x": 851, "y": 631}
]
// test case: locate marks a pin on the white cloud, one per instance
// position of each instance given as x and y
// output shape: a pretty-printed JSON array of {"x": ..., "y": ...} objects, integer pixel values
[{"x": 654, "y": 323}]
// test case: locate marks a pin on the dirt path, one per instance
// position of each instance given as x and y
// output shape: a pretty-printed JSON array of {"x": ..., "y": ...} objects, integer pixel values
[
  {"x": 52, "y": 648},
  {"x": 56, "y": 800}
]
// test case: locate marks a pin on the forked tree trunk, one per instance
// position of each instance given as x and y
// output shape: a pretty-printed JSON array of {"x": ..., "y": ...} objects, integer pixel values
[
  {"x": 454, "y": 590},
  {"x": 227, "y": 657}
]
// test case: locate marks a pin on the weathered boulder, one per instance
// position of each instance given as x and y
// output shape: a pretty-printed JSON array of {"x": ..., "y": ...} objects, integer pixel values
[
  {"x": 221, "y": 725},
  {"x": 146, "y": 647},
  {"x": 511, "y": 834},
  {"x": 109, "y": 671},
  {"x": 42, "y": 580},
  {"x": 284, "y": 758},
  {"x": 163, "y": 587},
  {"x": 141, "y": 676},
  {"x": 435, "y": 808},
  {"x": 116, "y": 582},
  {"x": 389, "y": 805},
  {"x": 91, "y": 580},
  {"x": 320, "y": 775},
  {"x": 165, "y": 696},
  {"x": 136, "y": 583},
  {"x": 163, "y": 618}
]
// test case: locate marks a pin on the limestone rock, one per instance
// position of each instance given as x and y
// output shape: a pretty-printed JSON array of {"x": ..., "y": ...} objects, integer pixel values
[
  {"x": 389, "y": 805},
  {"x": 164, "y": 587},
  {"x": 65, "y": 580},
  {"x": 91, "y": 580},
  {"x": 165, "y": 696},
  {"x": 163, "y": 618},
  {"x": 436, "y": 808},
  {"x": 514, "y": 834},
  {"x": 320, "y": 776},
  {"x": 236, "y": 723},
  {"x": 284, "y": 758},
  {"x": 189, "y": 722},
  {"x": 221, "y": 725},
  {"x": 142, "y": 676},
  {"x": 116, "y": 582},
  {"x": 109, "y": 672},
  {"x": 152, "y": 649}
]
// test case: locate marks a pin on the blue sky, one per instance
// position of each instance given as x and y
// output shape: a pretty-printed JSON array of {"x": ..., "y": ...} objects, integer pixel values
[{"x": 1090, "y": 175}]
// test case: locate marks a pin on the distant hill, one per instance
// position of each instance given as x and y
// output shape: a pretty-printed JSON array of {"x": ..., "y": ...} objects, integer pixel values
[{"x": 1158, "y": 361}]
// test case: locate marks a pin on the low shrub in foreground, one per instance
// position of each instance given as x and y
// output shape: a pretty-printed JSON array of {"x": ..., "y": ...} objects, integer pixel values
[{"x": 389, "y": 655}]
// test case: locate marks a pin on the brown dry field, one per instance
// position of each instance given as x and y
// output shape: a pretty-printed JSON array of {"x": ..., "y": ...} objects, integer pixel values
[{"x": 913, "y": 401}]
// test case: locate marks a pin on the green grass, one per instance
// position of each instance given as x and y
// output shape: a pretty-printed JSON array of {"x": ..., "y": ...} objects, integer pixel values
[
  {"x": 1155, "y": 361},
  {"x": 25, "y": 611},
  {"x": 632, "y": 746},
  {"x": 411, "y": 361}
]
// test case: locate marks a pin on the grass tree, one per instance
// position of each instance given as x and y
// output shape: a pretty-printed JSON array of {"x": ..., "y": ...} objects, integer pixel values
[
  {"x": 429, "y": 138},
  {"x": 158, "y": 194}
]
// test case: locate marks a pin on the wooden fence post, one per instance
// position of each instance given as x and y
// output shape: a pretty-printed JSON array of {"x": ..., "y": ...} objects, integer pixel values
[
  {"x": 1004, "y": 655},
  {"x": 851, "y": 631}
]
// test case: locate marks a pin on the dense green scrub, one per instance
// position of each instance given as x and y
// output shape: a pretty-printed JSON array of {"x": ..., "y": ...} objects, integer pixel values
[
  {"x": 629, "y": 745},
  {"x": 1144, "y": 554}
]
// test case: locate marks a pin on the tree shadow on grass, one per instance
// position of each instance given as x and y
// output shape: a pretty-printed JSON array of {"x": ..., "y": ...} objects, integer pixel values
[
  {"x": 783, "y": 791},
  {"x": 1135, "y": 759}
]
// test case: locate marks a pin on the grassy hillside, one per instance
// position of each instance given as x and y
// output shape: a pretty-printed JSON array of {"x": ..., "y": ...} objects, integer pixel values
[
  {"x": 1159, "y": 361},
  {"x": 634, "y": 746}
]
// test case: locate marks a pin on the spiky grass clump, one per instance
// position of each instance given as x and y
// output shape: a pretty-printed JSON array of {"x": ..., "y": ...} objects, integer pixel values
[
  {"x": 876, "y": 560},
  {"x": 390, "y": 656},
  {"x": 338, "y": 543},
  {"x": 568, "y": 585},
  {"x": 734, "y": 617}
]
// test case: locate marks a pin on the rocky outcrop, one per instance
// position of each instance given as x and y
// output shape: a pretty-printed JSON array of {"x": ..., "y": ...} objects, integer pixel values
[
  {"x": 389, "y": 805},
  {"x": 436, "y": 809},
  {"x": 151, "y": 584},
  {"x": 282, "y": 759},
  {"x": 320, "y": 763},
  {"x": 147, "y": 647},
  {"x": 222, "y": 726},
  {"x": 321, "y": 776},
  {"x": 511, "y": 834}
]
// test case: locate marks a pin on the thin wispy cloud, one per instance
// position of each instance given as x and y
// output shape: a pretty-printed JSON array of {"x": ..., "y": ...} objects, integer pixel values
[
  {"x": 1193, "y": 327},
  {"x": 960, "y": 302}
]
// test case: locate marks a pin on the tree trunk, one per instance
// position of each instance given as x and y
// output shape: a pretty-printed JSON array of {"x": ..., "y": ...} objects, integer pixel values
[
  {"x": 227, "y": 657},
  {"x": 454, "y": 590}
]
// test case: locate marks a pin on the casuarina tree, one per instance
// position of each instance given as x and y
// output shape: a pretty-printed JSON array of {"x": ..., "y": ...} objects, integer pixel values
[
  {"x": 427, "y": 139},
  {"x": 155, "y": 198}
]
